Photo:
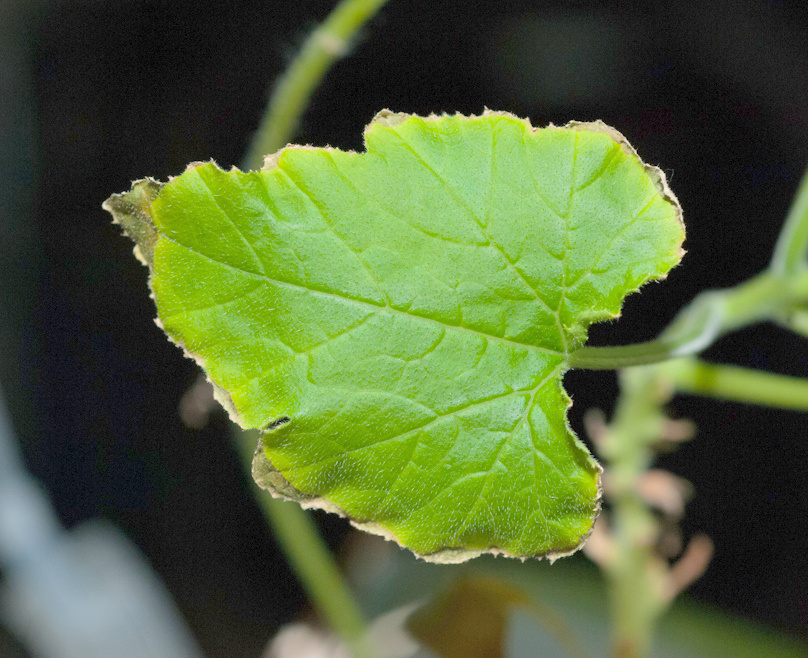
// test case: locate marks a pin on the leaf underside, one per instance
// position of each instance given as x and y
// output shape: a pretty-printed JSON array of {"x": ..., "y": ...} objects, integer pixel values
[{"x": 398, "y": 321}]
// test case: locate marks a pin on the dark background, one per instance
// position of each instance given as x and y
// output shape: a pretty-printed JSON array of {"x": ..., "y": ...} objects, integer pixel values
[{"x": 96, "y": 94}]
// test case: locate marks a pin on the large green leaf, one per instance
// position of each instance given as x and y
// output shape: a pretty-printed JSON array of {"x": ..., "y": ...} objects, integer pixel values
[{"x": 398, "y": 321}]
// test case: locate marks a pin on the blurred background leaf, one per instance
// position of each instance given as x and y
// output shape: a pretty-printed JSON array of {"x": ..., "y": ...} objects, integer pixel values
[{"x": 496, "y": 607}]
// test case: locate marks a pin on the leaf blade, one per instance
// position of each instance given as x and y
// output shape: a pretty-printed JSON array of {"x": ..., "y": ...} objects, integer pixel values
[{"x": 409, "y": 311}]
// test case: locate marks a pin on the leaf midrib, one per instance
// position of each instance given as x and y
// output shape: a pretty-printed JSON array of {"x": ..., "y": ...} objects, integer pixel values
[{"x": 360, "y": 302}]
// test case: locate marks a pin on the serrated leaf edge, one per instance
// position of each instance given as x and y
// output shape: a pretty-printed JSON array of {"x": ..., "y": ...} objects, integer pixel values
[
  {"x": 264, "y": 473},
  {"x": 271, "y": 480}
]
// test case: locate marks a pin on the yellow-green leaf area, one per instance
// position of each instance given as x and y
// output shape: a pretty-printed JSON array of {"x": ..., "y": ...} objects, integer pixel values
[{"x": 397, "y": 321}]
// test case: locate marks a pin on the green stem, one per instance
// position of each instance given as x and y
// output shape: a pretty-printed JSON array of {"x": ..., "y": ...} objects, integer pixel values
[
  {"x": 635, "y": 586},
  {"x": 314, "y": 565},
  {"x": 324, "y": 46},
  {"x": 792, "y": 244},
  {"x": 311, "y": 560},
  {"x": 294, "y": 528},
  {"x": 738, "y": 384},
  {"x": 695, "y": 329},
  {"x": 638, "y": 578},
  {"x": 710, "y": 315}
]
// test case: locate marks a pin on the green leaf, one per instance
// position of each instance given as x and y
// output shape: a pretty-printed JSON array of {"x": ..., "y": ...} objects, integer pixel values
[{"x": 398, "y": 321}]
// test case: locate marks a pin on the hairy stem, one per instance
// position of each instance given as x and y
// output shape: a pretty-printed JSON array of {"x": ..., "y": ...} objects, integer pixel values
[
  {"x": 324, "y": 46},
  {"x": 636, "y": 576}
]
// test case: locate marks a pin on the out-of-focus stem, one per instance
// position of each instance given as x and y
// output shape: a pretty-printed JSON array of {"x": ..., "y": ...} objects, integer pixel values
[
  {"x": 314, "y": 565},
  {"x": 792, "y": 245},
  {"x": 637, "y": 577},
  {"x": 324, "y": 46},
  {"x": 311, "y": 560}
]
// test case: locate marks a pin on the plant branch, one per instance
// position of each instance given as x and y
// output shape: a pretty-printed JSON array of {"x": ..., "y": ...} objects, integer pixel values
[
  {"x": 641, "y": 584},
  {"x": 792, "y": 244},
  {"x": 324, "y": 46},
  {"x": 710, "y": 315},
  {"x": 738, "y": 384},
  {"x": 293, "y": 527}
]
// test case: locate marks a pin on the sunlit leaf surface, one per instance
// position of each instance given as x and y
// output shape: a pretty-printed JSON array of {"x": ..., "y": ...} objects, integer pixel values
[{"x": 398, "y": 321}]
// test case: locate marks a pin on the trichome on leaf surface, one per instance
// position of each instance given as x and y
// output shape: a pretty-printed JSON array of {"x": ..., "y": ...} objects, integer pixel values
[{"x": 398, "y": 322}]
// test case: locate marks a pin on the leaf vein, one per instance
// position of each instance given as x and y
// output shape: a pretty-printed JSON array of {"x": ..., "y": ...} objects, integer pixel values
[
  {"x": 232, "y": 222},
  {"x": 362, "y": 302},
  {"x": 610, "y": 244},
  {"x": 557, "y": 313},
  {"x": 483, "y": 225},
  {"x": 334, "y": 232},
  {"x": 420, "y": 428},
  {"x": 533, "y": 392}
]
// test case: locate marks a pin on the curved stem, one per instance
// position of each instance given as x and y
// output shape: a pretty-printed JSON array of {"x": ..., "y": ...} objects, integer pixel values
[
  {"x": 792, "y": 244},
  {"x": 324, "y": 46},
  {"x": 710, "y": 315},
  {"x": 694, "y": 329}
]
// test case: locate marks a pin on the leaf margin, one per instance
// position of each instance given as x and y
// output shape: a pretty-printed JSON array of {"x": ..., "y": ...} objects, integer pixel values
[{"x": 137, "y": 223}]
